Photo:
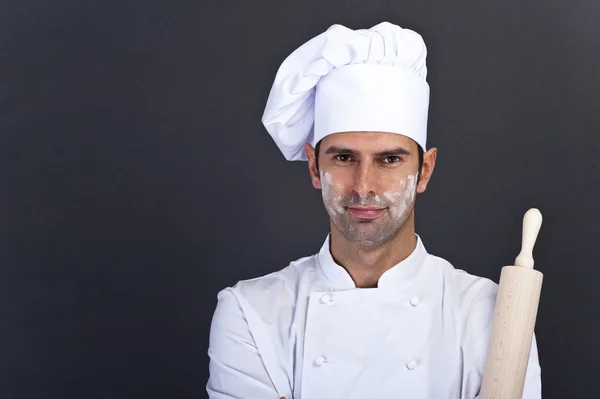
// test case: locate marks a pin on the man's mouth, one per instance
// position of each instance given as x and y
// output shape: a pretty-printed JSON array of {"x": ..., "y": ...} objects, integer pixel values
[{"x": 366, "y": 213}]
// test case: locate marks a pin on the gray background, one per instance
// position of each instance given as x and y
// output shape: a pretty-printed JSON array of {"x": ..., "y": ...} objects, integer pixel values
[{"x": 137, "y": 179}]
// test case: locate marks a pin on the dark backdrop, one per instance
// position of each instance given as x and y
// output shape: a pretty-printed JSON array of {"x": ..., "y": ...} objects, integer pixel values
[{"x": 138, "y": 181}]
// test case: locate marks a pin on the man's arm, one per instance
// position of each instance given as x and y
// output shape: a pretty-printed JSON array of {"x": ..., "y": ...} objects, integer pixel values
[{"x": 236, "y": 368}]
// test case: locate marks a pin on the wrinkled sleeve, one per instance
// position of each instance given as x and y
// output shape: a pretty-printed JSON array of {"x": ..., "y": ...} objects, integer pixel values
[
  {"x": 235, "y": 366},
  {"x": 533, "y": 378},
  {"x": 478, "y": 335}
]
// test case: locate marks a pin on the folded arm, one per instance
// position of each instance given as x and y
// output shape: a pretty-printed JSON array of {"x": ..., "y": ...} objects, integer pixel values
[{"x": 236, "y": 368}]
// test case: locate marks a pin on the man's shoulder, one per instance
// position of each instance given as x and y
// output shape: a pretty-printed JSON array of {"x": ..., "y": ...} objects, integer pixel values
[
  {"x": 278, "y": 284},
  {"x": 465, "y": 286}
]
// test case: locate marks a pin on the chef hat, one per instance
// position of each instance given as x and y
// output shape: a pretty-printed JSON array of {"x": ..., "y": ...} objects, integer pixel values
[{"x": 350, "y": 80}]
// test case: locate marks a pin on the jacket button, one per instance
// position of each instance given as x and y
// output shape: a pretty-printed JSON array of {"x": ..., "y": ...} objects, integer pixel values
[
  {"x": 319, "y": 361},
  {"x": 326, "y": 298},
  {"x": 414, "y": 301},
  {"x": 411, "y": 364}
]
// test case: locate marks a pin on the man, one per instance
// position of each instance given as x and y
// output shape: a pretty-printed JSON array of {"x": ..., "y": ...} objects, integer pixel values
[{"x": 372, "y": 315}]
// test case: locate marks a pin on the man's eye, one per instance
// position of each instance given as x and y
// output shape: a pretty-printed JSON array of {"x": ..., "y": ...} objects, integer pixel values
[
  {"x": 343, "y": 158},
  {"x": 391, "y": 159}
]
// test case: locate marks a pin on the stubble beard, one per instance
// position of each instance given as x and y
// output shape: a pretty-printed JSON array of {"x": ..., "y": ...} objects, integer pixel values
[{"x": 370, "y": 233}]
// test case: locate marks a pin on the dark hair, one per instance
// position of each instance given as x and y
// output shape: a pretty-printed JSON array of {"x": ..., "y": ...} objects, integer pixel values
[{"x": 318, "y": 146}]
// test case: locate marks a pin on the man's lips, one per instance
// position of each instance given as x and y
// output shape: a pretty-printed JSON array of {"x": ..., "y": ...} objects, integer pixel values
[{"x": 366, "y": 213}]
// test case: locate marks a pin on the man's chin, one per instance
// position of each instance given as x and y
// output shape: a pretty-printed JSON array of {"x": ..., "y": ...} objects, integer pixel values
[{"x": 365, "y": 235}]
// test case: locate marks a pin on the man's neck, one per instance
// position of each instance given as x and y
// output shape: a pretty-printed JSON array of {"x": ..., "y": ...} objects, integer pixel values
[{"x": 366, "y": 264}]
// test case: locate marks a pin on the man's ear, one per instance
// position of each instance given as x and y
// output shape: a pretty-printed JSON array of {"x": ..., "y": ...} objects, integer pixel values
[
  {"x": 427, "y": 169},
  {"x": 312, "y": 166}
]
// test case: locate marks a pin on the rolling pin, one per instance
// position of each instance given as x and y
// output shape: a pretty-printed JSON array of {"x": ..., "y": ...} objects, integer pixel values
[{"x": 514, "y": 318}]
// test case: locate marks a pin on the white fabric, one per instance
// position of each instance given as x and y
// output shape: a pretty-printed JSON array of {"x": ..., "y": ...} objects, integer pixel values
[
  {"x": 350, "y": 80},
  {"x": 306, "y": 332}
]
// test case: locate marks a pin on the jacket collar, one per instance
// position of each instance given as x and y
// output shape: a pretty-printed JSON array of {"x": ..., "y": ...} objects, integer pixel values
[{"x": 397, "y": 276}]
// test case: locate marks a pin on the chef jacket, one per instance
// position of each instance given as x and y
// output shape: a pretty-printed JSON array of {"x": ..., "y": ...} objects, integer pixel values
[{"x": 307, "y": 332}]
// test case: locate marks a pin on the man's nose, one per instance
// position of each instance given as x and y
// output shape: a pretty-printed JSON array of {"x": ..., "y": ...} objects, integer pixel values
[{"x": 364, "y": 180}]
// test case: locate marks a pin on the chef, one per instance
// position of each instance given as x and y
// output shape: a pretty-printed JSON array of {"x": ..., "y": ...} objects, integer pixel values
[{"x": 372, "y": 314}]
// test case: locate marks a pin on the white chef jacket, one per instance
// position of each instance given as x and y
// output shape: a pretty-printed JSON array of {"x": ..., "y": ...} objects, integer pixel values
[{"x": 307, "y": 332}]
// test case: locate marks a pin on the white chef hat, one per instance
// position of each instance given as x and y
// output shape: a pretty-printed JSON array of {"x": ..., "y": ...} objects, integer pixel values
[{"x": 350, "y": 80}]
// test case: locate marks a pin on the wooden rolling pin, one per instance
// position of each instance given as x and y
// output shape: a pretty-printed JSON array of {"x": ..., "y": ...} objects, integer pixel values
[{"x": 514, "y": 320}]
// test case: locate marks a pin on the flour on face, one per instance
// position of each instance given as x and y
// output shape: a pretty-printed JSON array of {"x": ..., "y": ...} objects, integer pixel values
[
  {"x": 331, "y": 194},
  {"x": 402, "y": 200}
]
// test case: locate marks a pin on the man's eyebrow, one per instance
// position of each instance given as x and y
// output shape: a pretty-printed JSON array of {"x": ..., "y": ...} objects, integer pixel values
[
  {"x": 340, "y": 150},
  {"x": 387, "y": 153},
  {"x": 393, "y": 152}
]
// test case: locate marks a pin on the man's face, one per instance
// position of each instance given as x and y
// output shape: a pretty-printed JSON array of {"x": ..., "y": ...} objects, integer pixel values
[{"x": 368, "y": 182}]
